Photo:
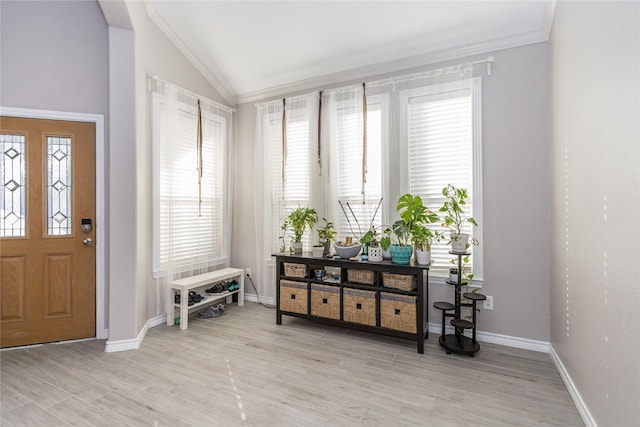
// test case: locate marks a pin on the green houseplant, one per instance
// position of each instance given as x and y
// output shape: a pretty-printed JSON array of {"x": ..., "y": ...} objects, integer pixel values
[
  {"x": 422, "y": 238},
  {"x": 454, "y": 218},
  {"x": 414, "y": 216},
  {"x": 298, "y": 221},
  {"x": 326, "y": 234}
]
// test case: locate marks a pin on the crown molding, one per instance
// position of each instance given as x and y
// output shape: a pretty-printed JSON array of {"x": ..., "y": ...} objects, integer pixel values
[
  {"x": 212, "y": 77},
  {"x": 216, "y": 79},
  {"x": 115, "y": 14},
  {"x": 547, "y": 19},
  {"x": 382, "y": 68}
]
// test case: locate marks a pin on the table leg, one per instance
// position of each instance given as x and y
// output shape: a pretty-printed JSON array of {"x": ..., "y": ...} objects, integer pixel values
[
  {"x": 241, "y": 293},
  {"x": 169, "y": 305},
  {"x": 184, "y": 309}
]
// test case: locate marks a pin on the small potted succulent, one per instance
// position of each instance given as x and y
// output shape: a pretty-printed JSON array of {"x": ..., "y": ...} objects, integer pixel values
[
  {"x": 298, "y": 221},
  {"x": 454, "y": 218}
]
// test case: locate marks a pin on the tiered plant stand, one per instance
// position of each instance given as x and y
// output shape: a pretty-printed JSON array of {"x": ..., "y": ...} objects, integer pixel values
[{"x": 458, "y": 342}]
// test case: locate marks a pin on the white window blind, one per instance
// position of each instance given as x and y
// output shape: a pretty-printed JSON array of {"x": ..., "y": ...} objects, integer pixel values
[
  {"x": 188, "y": 227},
  {"x": 441, "y": 146},
  {"x": 295, "y": 191},
  {"x": 349, "y": 168}
]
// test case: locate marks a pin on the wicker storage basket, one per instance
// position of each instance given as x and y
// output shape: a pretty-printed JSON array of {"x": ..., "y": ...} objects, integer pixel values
[
  {"x": 403, "y": 282},
  {"x": 360, "y": 276},
  {"x": 295, "y": 270},
  {"x": 293, "y": 296},
  {"x": 398, "y": 312},
  {"x": 359, "y": 306},
  {"x": 325, "y": 301}
]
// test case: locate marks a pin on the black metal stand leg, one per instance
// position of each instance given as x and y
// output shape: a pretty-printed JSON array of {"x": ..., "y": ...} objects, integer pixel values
[{"x": 473, "y": 317}]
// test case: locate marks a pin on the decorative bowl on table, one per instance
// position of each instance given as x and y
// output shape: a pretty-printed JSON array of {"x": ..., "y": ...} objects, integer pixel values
[{"x": 347, "y": 251}]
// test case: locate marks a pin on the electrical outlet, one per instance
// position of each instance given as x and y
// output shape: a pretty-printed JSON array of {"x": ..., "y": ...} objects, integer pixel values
[
  {"x": 488, "y": 303},
  {"x": 247, "y": 272}
]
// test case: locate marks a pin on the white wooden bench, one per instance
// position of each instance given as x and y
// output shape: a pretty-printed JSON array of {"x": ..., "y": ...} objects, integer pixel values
[{"x": 203, "y": 281}]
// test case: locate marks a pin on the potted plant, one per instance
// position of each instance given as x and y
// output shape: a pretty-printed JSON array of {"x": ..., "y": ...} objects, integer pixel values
[
  {"x": 348, "y": 247},
  {"x": 413, "y": 214},
  {"x": 454, "y": 218},
  {"x": 370, "y": 240},
  {"x": 385, "y": 242},
  {"x": 326, "y": 234},
  {"x": 422, "y": 239},
  {"x": 317, "y": 250},
  {"x": 298, "y": 221}
]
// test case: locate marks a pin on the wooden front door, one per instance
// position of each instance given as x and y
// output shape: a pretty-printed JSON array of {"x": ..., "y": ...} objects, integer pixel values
[{"x": 47, "y": 257}]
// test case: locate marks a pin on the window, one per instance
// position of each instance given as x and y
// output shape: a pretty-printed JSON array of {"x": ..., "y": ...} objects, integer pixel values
[
  {"x": 423, "y": 132},
  {"x": 292, "y": 179},
  {"x": 443, "y": 146},
  {"x": 189, "y": 213},
  {"x": 349, "y": 147},
  {"x": 296, "y": 189}
]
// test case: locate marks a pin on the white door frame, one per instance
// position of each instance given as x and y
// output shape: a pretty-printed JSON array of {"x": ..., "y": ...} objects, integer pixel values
[{"x": 101, "y": 232}]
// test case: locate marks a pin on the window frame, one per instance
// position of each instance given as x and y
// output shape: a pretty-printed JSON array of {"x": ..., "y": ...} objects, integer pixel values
[
  {"x": 160, "y": 267},
  {"x": 381, "y": 99},
  {"x": 474, "y": 84}
]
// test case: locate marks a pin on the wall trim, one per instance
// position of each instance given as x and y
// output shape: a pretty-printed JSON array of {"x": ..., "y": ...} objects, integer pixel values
[
  {"x": 133, "y": 344},
  {"x": 101, "y": 229},
  {"x": 214, "y": 77},
  {"x": 263, "y": 300},
  {"x": 506, "y": 340},
  {"x": 583, "y": 410},
  {"x": 372, "y": 71},
  {"x": 157, "y": 321}
]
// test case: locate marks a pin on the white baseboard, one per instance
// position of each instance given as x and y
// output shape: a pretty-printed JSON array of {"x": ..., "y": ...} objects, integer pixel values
[
  {"x": 131, "y": 344},
  {"x": 263, "y": 300},
  {"x": 506, "y": 340},
  {"x": 573, "y": 391},
  {"x": 157, "y": 321}
]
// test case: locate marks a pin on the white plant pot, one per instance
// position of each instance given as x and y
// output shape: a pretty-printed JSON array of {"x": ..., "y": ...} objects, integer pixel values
[
  {"x": 459, "y": 243},
  {"x": 317, "y": 251},
  {"x": 375, "y": 254},
  {"x": 297, "y": 247},
  {"x": 423, "y": 257},
  {"x": 386, "y": 254}
]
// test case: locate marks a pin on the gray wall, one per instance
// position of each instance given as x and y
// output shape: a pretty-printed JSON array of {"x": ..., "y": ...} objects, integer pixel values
[
  {"x": 516, "y": 218},
  {"x": 595, "y": 204},
  {"x": 54, "y": 56}
]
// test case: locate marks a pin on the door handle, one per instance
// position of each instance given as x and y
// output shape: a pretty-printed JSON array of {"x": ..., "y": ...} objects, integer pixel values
[{"x": 87, "y": 241}]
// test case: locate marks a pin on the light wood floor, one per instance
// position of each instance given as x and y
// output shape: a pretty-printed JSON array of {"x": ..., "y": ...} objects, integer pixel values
[{"x": 243, "y": 369}]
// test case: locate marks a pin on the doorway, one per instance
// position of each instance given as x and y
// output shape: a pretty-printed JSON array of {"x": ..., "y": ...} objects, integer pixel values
[{"x": 47, "y": 231}]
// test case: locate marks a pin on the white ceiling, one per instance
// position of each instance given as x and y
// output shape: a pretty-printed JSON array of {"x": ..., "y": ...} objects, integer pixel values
[{"x": 255, "y": 49}]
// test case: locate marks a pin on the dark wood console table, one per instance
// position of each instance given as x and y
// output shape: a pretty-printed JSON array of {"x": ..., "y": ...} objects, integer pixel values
[{"x": 378, "y": 297}]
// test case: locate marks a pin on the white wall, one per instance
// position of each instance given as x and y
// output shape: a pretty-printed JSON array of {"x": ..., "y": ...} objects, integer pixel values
[
  {"x": 516, "y": 218},
  {"x": 595, "y": 204}
]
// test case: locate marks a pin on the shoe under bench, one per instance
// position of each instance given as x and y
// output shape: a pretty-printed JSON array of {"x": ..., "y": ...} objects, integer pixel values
[{"x": 201, "y": 281}]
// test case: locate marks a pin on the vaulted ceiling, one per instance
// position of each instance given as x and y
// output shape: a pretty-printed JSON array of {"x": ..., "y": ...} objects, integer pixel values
[{"x": 255, "y": 49}]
